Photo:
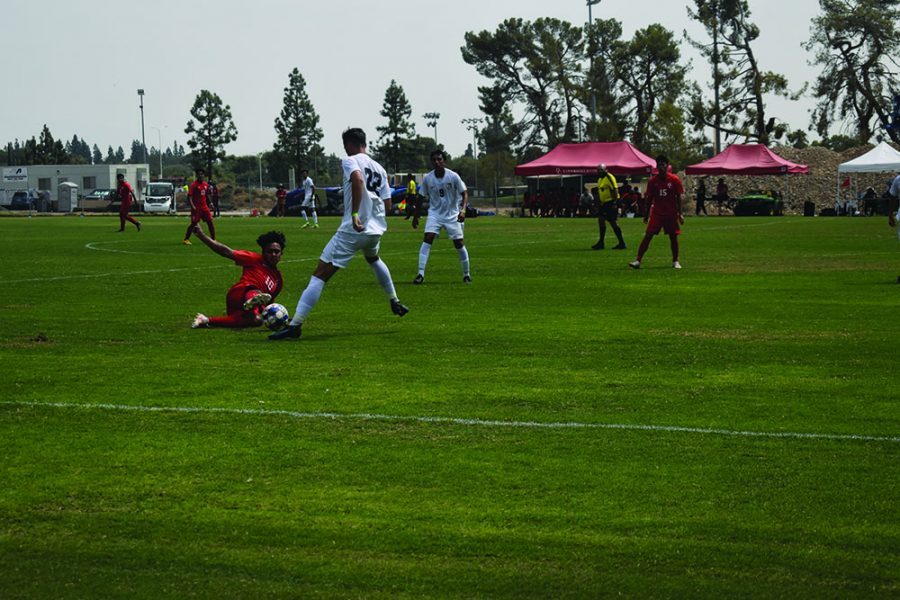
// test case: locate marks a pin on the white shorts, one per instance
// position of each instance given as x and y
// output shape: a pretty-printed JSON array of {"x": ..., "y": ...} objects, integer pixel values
[
  {"x": 343, "y": 246},
  {"x": 454, "y": 228},
  {"x": 311, "y": 203}
]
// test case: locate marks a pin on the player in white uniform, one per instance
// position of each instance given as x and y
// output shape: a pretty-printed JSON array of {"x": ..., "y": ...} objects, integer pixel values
[
  {"x": 309, "y": 200},
  {"x": 447, "y": 197},
  {"x": 367, "y": 198}
]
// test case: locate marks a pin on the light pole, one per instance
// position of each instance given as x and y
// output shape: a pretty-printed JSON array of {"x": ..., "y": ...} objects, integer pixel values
[
  {"x": 472, "y": 125},
  {"x": 590, "y": 3},
  {"x": 431, "y": 119},
  {"x": 159, "y": 148},
  {"x": 143, "y": 139},
  {"x": 259, "y": 158}
]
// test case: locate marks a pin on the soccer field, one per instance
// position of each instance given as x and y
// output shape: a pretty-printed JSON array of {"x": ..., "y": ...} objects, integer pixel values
[{"x": 563, "y": 427}]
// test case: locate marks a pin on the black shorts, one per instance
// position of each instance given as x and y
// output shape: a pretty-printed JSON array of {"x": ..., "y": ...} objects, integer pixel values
[{"x": 609, "y": 210}]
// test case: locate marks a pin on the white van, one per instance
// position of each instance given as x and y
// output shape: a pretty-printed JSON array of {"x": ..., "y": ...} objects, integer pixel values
[{"x": 159, "y": 197}]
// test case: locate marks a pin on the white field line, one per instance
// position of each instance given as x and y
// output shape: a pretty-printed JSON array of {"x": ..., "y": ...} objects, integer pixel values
[{"x": 464, "y": 422}]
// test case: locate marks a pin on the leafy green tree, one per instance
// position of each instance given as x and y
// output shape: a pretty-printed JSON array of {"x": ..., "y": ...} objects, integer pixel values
[
  {"x": 538, "y": 64},
  {"x": 119, "y": 156},
  {"x": 78, "y": 150},
  {"x": 667, "y": 134},
  {"x": 855, "y": 43},
  {"x": 603, "y": 89},
  {"x": 96, "y": 155},
  {"x": 798, "y": 139},
  {"x": 739, "y": 82},
  {"x": 397, "y": 110},
  {"x": 500, "y": 133},
  {"x": 47, "y": 151},
  {"x": 137, "y": 152},
  {"x": 297, "y": 129},
  {"x": 211, "y": 129}
]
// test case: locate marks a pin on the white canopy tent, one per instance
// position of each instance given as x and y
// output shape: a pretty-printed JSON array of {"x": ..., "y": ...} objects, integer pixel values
[{"x": 880, "y": 159}]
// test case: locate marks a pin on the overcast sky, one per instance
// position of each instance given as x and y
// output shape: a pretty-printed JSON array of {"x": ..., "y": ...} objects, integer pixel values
[{"x": 77, "y": 66}]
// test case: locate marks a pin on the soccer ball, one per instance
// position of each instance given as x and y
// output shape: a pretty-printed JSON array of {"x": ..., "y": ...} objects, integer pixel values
[{"x": 275, "y": 316}]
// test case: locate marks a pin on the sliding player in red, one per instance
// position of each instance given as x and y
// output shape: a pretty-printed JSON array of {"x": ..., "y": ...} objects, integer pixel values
[
  {"x": 664, "y": 192},
  {"x": 259, "y": 284}
]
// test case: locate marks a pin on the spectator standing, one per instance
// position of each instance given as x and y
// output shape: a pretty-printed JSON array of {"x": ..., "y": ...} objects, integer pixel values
[
  {"x": 280, "y": 200},
  {"x": 701, "y": 198}
]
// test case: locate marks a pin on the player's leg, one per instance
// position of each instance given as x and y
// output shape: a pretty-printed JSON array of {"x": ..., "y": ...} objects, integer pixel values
[
  {"x": 424, "y": 253},
  {"x": 383, "y": 277},
  {"x": 614, "y": 223},
  {"x": 455, "y": 233},
  {"x": 315, "y": 217},
  {"x": 303, "y": 214},
  {"x": 189, "y": 230},
  {"x": 121, "y": 221},
  {"x": 601, "y": 225},
  {"x": 210, "y": 226}
]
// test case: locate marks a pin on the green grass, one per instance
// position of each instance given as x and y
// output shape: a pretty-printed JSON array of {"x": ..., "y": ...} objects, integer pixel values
[{"x": 775, "y": 325}]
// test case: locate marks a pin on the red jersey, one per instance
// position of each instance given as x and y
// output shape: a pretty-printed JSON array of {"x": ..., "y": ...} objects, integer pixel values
[
  {"x": 257, "y": 273},
  {"x": 125, "y": 191},
  {"x": 198, "y": 193},
  {"x": 664, "y": 195},
  {"x": 281, "y": 195}
]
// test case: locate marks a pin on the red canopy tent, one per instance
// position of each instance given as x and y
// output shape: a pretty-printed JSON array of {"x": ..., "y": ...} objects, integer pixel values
[
  {"x": 746, "y": 159},
  {"x": 620, "y": 158}
]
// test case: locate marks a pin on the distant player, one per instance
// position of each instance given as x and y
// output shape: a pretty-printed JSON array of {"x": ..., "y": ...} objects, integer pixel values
[
  {"x": 447, "y": 199},
  {"x": 258, "y": 286},
  {"x": 894, "y": 208},
  {"x": 367, "y": 198},
  {"x": 608, "y": 194},
  {"x": 309, "y": 199},
  {"x": 280, "y": 200},
  {"x": 198, "y": 195},
  {"x": 664, "y": 192},
  {"x": 412, "y": 196},
  {"x": 126, "y": 194}
]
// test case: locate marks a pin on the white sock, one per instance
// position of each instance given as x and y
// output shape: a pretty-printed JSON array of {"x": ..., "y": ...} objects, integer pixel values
[
  {"x": 315, "y": 218},
  {"x": 308, "y": 299},
  {"x": 383, "y": 276},
  {"x": 463, "y": 260},
  {"x": 424, "y": 251},
  {"x": 303, "y": 214}
]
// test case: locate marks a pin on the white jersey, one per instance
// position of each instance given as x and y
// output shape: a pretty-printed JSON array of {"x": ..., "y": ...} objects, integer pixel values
[
  {"x": 895, "y": 187},
  {"x": 307, "y": 186},
  {"x": 376, "y": 190},
  {"x": 444, "y": 195}
]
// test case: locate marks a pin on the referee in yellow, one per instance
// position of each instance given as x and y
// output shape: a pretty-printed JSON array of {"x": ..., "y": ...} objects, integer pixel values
[{"x": 608, "y": 195}]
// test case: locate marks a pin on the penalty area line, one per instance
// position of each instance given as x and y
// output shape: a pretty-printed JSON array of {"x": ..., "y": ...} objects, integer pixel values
[{"x": 488, "y": 423}]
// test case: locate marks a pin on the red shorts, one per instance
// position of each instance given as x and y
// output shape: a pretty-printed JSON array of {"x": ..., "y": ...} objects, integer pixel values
[
  {"x": 125, "y": 208},
  {"x": 201, "y": 214},
  {"x": 667, "y": 223}
]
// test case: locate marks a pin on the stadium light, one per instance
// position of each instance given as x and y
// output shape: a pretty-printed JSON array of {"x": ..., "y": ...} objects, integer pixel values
[
  {"x": 431, "y": 119},
  {"x": 159, "y": 141},
  {"x": 143, "y": 139}
]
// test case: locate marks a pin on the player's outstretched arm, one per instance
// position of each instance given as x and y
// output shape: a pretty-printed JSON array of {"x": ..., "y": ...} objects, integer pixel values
[{"x": 216, "y": 246}]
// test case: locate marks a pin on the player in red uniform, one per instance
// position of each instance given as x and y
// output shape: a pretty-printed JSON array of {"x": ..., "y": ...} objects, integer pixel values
[
  {"x": 664, "y": 192},
  {"x": 259, "y": 284},
  {"x": 197, "y": 196},
  {"x": 126, "y": 194}
]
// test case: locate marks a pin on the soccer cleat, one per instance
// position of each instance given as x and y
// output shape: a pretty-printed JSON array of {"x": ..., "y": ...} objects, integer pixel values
[
  {"x": 619, "y": 246},
  {"x": 200, "y": 320},
  {"x": 260, "y": 299},
  {"x": 315, "y": 226},
  {"x": 419, "y": 279},
  {"x": 288, "y": 332},
  {"x": 676, "y": 265},
  {"x": 305, "y": 225},
  {"x": 138, "y": 225},
  {"x": 397, "y": 308},
  {"x": 467, "y": 279},
  {"x": 635, "y": 264},
  {"x": 186, "y": 242},
  {"x": 597, "y": 246}
]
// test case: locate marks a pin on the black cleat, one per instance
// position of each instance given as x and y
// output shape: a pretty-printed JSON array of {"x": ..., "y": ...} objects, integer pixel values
[
  {"x": 467, "y": 279},
  {"x": 619, "y": 246},
  {"x": 397, "y": 308},
  {"x": 288, "y": 332},
  {"x": 597, "y": 246},
  {"x": 419, "y": 279}
]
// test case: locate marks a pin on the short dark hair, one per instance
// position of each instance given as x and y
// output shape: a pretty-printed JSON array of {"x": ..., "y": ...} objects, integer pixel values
[
  {"x": 438, "y": 152},
  {"x": 662, "y": 158},
  {"x": 354, "y": 135},
  {"x": 120, "y": 175},
  {"x": 269, "y": 237},
  {"x": 200, "y": 170}
]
